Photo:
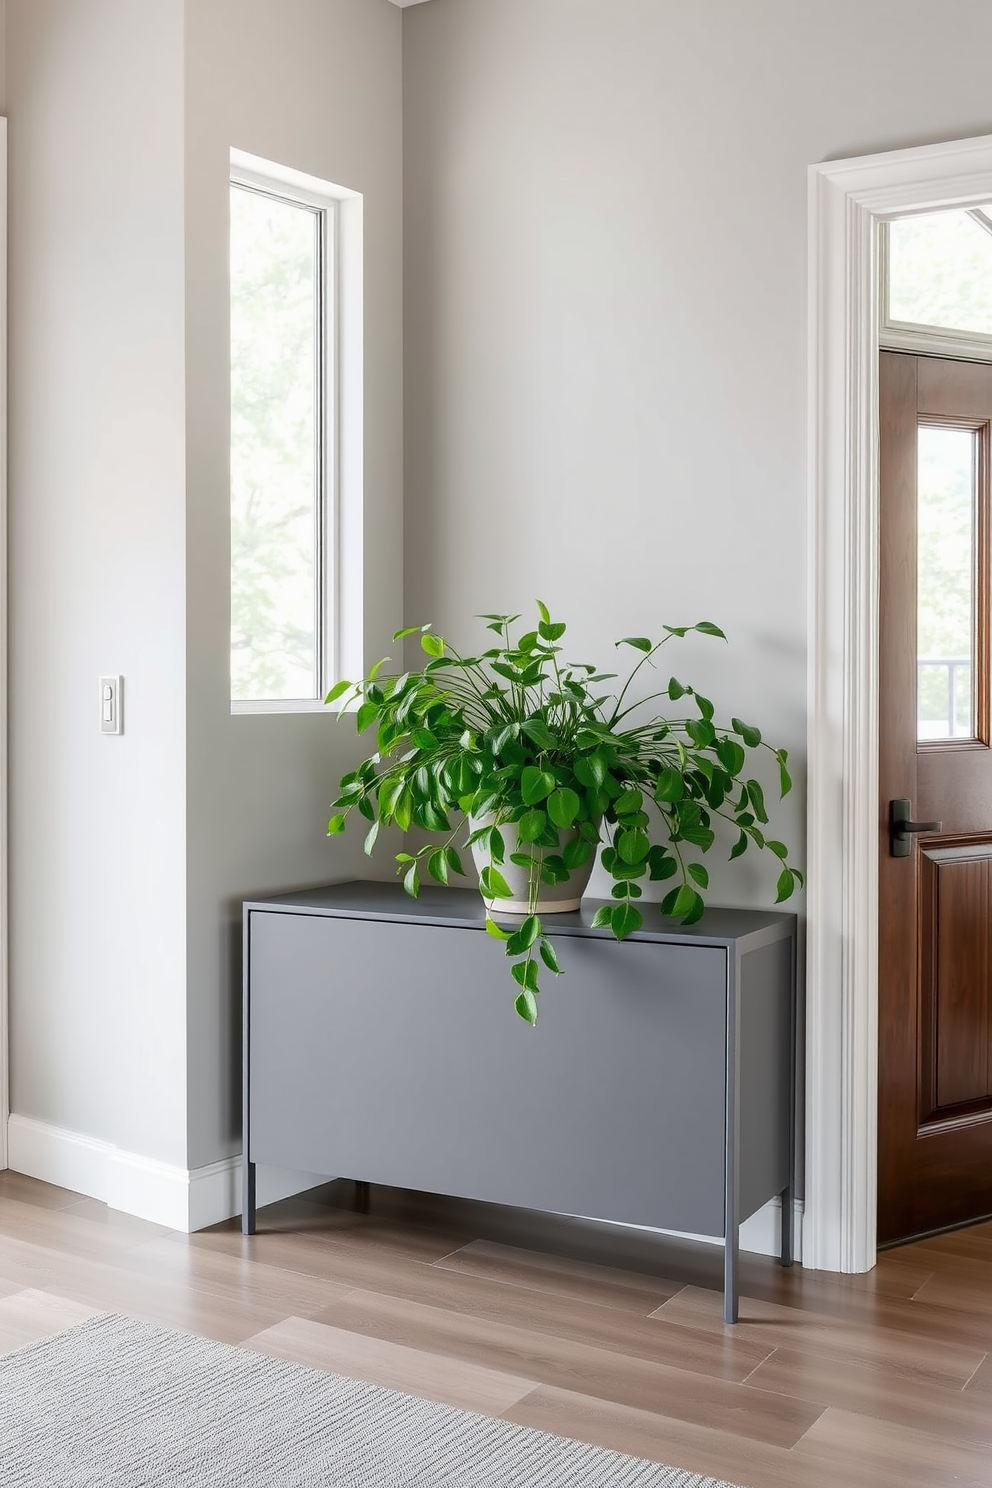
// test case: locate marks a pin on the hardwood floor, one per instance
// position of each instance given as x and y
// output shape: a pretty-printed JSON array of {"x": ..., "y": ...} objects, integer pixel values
[{"x": 607, "y": 1335}]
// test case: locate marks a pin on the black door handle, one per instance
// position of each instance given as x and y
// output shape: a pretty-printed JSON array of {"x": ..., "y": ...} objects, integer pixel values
[{"x": 901, "y": 828}]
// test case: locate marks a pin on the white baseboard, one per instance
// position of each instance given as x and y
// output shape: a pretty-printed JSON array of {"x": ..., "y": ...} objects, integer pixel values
[
  {"x": 762, "y": 1233},
  {"x": 183, "y": 1199},
  {"x": 191, "y": 1199}
]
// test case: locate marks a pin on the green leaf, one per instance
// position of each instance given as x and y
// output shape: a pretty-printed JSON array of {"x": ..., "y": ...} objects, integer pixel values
[
  {"x": 688, "y": 903},
  {"x": 603, "y": 917},
  {"x": 454, "y": 861},
  {"x": 494, "y": 930},
  {"x": 699, "y": 836},
  {"x": 668, "y": 903},
  {"x": 437, "y": 867},
  {"x": 403, "y": 808},
  {"x": 535, "y": 784},
  {"x": 366, "y": 715},
  {"x": 757, "y": 799},
  {"x": 373, "y": 833},
  {"x": 525, "y": 974},
  {"x": 633, "y": 846},
  {"x": 531, "y": 825},
  {"x": 423, "y": 738},
  {"x": 433, "y": 645},
  {"x": 577, "y": 852},
  {"x": 706, "y": 627},
  {"x": 670, "y": 786},
  {"x": 778, "y": 848},
  {"x": 625, "y": 919},
  {"x": 639, "y": 643},
  {"x": 411, "y": 880},
  {"x": 537, "y": 731},
  {"x": 522, "y": 940},
  {"x": 626, "y": 890},
  {"x": 563, "y": 806},
  {"x": 338, "y": 690},
  {"x": 542, "y": 610},
  {"x": 629, "y": 803},
  {"x": 751, "y": 736},
  {"x": 785, "y": 779},
  {"x": 699, "y": 875},
  {"x": 551, "y": 632},
  {"x": 662, "y": 865},
  {"x": 740, "y": 846},
  {"x": 493, "y": 885},
  {"x": 677, "y": 630},
  {"x": 731, "y": 756},
  {"x": 549, "y": 956},
  {"x": 336, "y": 826},
  {"x": 786, "y": 885},
  {"x": 526, "y": 1005},
  {"x": 675, "y": 690},
  {"x": 700, "y": 731},
  {"x": 705, "y": 706},
  {"x": 590, "y": 770}
]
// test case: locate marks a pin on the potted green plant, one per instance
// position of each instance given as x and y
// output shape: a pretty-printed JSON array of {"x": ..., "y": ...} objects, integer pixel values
[{"x": 544, "y": 770}]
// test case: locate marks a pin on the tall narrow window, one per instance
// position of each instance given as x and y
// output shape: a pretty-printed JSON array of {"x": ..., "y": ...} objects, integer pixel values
[{"x": 279, "y": 461}]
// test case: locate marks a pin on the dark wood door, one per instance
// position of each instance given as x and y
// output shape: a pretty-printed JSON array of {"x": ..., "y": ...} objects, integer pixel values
[{"x": 935, "y": 966}]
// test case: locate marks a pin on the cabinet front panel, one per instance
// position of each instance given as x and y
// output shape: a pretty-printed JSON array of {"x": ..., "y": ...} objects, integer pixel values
[{"x": 392, "y": 1053}]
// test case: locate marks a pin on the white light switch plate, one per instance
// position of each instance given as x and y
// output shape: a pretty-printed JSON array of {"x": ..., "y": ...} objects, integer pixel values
[{"x": 111, "y": 705}]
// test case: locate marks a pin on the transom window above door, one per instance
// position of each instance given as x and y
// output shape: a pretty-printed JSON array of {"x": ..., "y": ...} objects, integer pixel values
[{"x": 937, "y": 282}]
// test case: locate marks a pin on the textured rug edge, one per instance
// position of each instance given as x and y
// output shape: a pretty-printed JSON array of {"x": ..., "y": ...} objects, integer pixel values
[{"x": 111, "y": 1325}]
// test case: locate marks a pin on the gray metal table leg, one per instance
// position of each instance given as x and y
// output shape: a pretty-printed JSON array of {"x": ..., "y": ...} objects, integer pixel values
[
  {"x": 247, "y": 1197},
  {"x": 731, "y": 1256},
  {"x": 787, "y": 1226}
]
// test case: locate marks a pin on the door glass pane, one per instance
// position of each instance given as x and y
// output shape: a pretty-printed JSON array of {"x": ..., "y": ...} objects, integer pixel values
[
  {"x": 947, "y": 497},
  {"x": 940, "y": 270},
  {"x": 274, "y": 467}
]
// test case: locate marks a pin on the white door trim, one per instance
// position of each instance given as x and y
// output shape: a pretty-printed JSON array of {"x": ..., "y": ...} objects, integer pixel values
[
  {"x": 4, "y": 922},
  {"x": 848, "y": 199}
]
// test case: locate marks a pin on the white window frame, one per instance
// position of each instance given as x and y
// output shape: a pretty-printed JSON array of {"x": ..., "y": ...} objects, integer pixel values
[
  {"x": 340, "y": 377},
  {"x": 911, "y": 335}
]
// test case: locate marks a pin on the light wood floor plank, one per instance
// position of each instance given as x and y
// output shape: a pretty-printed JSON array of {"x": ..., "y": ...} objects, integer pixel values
[
  {"x": 586, "y": 1281},
  {"x": 877, "y": 1392},
  {"x": 896, "y": 1454},
  {"x": 596, "y": 1371},
  {"x": 393, "y": 1365},
  {"x": 29, "y": 1315},
  {"x": 699, "y": 1449},
  {"x": 926, "y": 1361}
]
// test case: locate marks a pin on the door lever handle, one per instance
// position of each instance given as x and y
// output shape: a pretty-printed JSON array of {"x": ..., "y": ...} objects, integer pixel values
[{"x": 902, "y": 829}]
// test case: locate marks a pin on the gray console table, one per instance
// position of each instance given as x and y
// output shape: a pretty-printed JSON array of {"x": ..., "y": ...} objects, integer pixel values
[{"x": 381, "y": 1044}]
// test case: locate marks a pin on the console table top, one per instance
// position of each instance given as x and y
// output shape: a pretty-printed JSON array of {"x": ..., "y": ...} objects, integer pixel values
[{"x": 463, "y": 908}]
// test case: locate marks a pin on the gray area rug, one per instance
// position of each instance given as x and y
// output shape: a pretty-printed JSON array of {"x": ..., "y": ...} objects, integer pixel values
[{"x": 122, "y": 1403}]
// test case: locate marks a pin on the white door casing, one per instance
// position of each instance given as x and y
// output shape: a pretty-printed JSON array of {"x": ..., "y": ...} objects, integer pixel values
[
  {"x": 4, "y": 1042},
  {"x": 847, "y": 201}
]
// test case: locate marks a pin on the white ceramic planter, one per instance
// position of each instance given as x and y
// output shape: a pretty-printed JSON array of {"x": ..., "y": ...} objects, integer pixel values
[{"x": 556, "y": 898}]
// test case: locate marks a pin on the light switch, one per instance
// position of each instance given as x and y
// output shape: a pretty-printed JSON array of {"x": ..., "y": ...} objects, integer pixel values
[{"x": 111, "y": 705}]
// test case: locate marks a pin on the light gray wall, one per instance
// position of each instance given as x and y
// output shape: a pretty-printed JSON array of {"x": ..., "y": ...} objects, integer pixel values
[
  {"x": 97, "y": 570},
  {"x": 606, "y": 302},
  {"x": 316, "y": 85},
  {"x": 129, "y": 857}
]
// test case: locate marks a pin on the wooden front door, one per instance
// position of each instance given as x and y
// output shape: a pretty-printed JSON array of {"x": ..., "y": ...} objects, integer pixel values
[{"x": 935, "y": 947}]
